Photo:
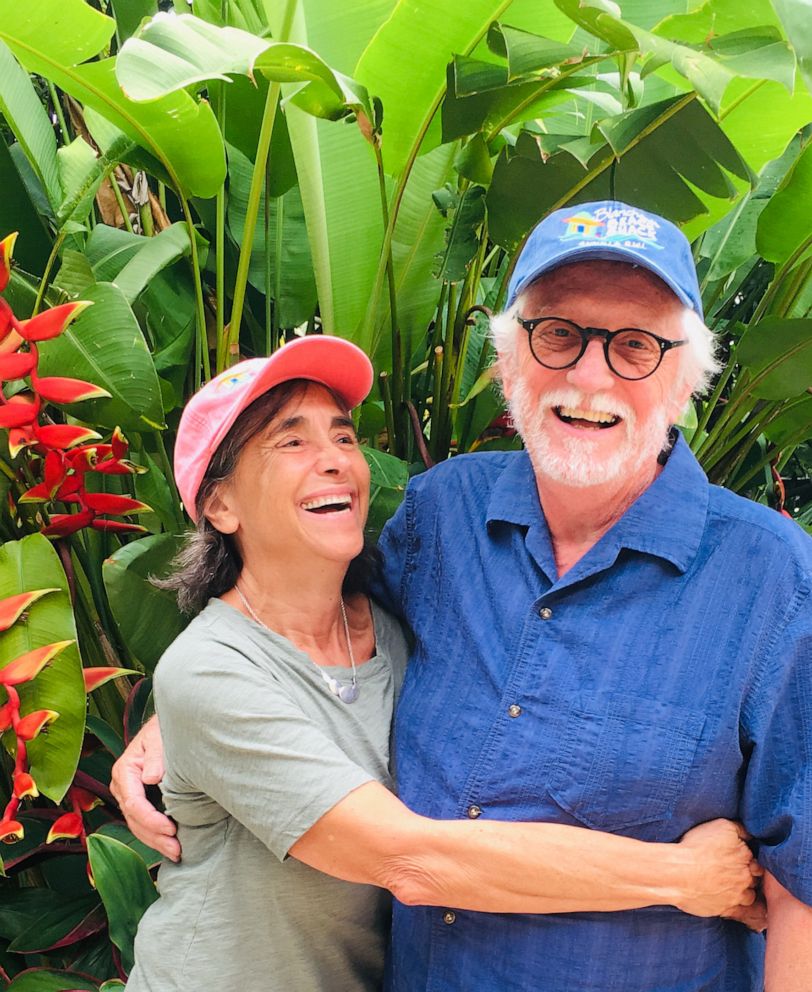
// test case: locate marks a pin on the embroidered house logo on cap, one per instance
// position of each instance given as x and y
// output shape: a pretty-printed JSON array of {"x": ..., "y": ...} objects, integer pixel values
[
  {"x": 230, "y": 380},
  {"x": 612, "y": 225}
]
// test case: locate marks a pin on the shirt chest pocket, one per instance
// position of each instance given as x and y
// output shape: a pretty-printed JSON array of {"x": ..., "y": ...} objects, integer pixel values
[{"x": 623, "y": 761}]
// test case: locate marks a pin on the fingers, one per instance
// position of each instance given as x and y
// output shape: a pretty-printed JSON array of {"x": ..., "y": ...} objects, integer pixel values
[
  {"x": 755, "y": 868},
  {"x": 151, "y": 826},
  {"x": 753, "y": 916}
]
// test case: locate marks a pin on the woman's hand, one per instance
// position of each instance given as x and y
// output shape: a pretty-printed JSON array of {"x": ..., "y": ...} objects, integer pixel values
[
  {"x": 722, "y": 874},
  {"x": 143, "y": 764}
]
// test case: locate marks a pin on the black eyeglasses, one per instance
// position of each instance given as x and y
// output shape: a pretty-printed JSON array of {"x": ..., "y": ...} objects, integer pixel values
[{"x": 631, "y": 353}]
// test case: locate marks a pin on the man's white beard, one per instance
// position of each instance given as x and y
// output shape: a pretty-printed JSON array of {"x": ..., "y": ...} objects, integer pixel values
[{"x": 578, "y": 461}]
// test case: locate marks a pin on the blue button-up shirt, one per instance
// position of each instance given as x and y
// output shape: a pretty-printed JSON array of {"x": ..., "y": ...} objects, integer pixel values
[{"x": 663, "y": 681}]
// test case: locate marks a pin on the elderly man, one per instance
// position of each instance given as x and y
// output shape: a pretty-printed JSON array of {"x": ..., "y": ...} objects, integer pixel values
[{"x": 601, "y": 638}]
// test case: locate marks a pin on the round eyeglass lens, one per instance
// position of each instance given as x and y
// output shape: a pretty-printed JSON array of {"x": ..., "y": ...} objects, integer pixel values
[
  {"x": 555, "y": 343},
  {"x": 634, "y": 354}
]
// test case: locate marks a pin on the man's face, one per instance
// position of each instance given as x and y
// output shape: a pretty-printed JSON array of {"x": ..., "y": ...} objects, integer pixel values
[{"x": 584, "y": 425}]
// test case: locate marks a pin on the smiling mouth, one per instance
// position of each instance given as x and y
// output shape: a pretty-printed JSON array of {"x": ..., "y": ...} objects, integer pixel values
[
  {"x": 587, "y": 419},
  {"x": 327, "y": 504}
]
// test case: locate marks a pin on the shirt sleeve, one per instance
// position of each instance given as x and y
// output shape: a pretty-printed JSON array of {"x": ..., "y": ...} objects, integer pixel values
[
  {"x": 234, "y": 735},
  {"x": 777, "y": 719}
]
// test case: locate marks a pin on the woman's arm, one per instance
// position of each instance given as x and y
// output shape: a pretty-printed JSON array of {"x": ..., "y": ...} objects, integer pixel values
[
  {"x": 495, "y": 866},
  {"x": 501, "y": 867}
]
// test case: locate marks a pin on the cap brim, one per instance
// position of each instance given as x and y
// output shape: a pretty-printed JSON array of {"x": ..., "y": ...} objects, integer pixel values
[
  {"x": 617, "y": 253},
  {"x": 329, "y": 361}
]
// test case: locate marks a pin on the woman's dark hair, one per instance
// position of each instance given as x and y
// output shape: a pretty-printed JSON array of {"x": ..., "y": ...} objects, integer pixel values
[{"x": 209, "y": 563}]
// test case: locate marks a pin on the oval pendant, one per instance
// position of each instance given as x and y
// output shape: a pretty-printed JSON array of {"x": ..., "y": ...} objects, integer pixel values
[{"x": 348, "y": 693}]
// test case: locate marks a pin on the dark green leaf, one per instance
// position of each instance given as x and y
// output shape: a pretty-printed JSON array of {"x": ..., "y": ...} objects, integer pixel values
[
  {"x": 119, "y": 832},
  {"x": 18, "y": 213},
  {"x": 474, "y": 161},
  {"x": 149, "y": 630},
  {"x": 73, "y": 920},
  {"x": 75, "y": 275},
  {"x": 462, "y": 235},
  {"x": 110, "y": 738},
  {"x": 125, "y": 887},
  {"x": 48, "y": 980},
  {"x": 526, "y": 52},
  {"x": 130, "y": 13},
  {"x": 795, "y": 16}
]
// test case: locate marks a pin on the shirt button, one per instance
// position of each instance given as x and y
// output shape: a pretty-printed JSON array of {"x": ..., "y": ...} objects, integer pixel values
[
  {"x": 449, "y": 917},
  {"x": 514, "y": 710},
  {"x": 474, "y": 812},
  {"x": 545, "y": 613}
]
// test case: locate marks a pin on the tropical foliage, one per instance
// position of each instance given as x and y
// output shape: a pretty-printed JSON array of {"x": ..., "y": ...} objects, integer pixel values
[{"x": 220, "y": 175}]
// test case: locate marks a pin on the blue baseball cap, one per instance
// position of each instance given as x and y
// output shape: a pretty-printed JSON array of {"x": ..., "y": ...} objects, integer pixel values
[{"x": 610, "y": 230}]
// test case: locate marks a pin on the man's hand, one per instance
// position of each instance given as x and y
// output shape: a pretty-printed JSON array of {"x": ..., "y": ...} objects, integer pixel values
[
  {"x": 723, "y": 874},
  {"x": 143, "y": 764}
]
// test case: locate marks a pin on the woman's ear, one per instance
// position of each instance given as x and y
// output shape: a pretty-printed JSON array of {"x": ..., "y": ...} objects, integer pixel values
[{"x": 220, "y": 511}]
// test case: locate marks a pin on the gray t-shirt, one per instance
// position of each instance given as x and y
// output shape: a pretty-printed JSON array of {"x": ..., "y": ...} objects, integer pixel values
[{"x": 257, "y": 749}]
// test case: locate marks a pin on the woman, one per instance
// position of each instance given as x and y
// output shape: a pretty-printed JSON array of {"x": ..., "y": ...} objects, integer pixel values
[{"x": 276, "y": 703}]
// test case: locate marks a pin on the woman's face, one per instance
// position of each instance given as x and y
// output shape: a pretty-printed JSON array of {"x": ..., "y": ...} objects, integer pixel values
[{"x": 301, "y": 486}]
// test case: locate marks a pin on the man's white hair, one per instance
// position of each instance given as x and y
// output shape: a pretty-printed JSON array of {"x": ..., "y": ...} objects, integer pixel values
[{"x": 698, "y": 361}]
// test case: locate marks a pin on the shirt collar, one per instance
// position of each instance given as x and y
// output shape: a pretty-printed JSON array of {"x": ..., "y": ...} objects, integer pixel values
[{"x": 667, "y": 520}]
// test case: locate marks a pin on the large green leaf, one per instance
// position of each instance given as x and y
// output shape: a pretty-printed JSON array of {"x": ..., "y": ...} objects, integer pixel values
[
  {"x": 786, "y": 222},
  {"x": 125, "y": 887},
  {"x": 758, "y": 53},
  {"x": 81, "y": 172},
  {"x": 658, "y": 154},
  {"x": 149, "y": 629},
  {"x": 796, "y": 16},
  {"x": 105, "y": 346},
  {"x": 53, "y": 38},
  {"x": 411, "y": 99},
  {"x": 172, "y": 52},
  {"x": 73, "y": 920},
  {"x": 417, "y": 239},
  {"x": 49, "y": 980},
  {"x": 25, "y": 115},
  {"x": 287, "y": 251},
  {"x": 24, "y": 566},
  {"x": 778, "y": 355},
  {"x": 386, "y": 471},
  {"x": 153, "y": 255},
  {"x": 130, "y": 13}
]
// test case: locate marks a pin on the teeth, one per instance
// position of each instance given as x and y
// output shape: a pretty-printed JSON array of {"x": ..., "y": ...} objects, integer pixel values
[
  {"x": 595, "y": 416},
  {"x": 314, "y": 504}
]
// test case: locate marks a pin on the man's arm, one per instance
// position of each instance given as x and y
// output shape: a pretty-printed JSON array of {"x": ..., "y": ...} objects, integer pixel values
[
  {"x": 371, "y": 837},
  {"x": 789, "y": 940}
]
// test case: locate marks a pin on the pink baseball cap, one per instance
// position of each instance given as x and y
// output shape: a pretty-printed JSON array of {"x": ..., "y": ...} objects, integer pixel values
[{"x": 210, "y": 413}]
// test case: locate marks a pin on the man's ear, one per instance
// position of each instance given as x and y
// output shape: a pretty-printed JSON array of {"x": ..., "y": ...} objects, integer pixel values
[{"x": 220, "y": 512}]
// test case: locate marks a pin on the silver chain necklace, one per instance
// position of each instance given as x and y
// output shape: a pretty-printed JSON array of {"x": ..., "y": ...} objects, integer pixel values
[{"x": 346, "y": 693}]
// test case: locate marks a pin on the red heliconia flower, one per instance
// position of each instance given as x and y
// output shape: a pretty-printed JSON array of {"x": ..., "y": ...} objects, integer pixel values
[
  {"x": 82, "y": 799},
  {"x": 12, "y": 607},
  {"x": 63, "y": 435},
  {"x": 24, "y": 785},
  {"x": 68, "y": 825},
  {"x": 11, "y": 831},
  {"x": 112, "y": 466},
  {"x": 83, "y": 458},
  {"x": 19, "y": 411},
  {"x": 63, "y": 524},
  {"x": 6, "y": 250},
  {"x": 32, "y": 725},
  {"x": 113, "y": 503},
  {"x": 117, "y": 526},
  {"x": 56, "y": 389},
  {"x": 7, "y": 711},
  {"x": 94, "y": 677},
  {"x": 119, "y": 444},
  {"x": 51, "y": 323},
  {"x": 19, "y": 438},
  {"x": 29, "y": 665},
  {"x": 7, "y": 318},
  {"x": 17, "y": 365}
]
